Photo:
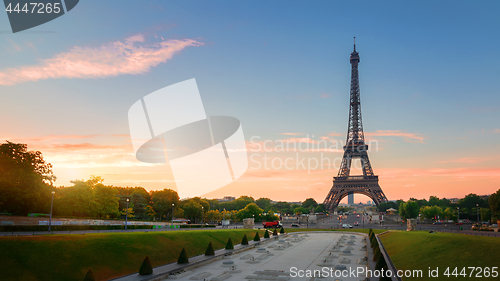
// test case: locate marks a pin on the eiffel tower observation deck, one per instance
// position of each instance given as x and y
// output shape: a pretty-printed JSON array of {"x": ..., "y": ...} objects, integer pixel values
[{"x": 344, "y": 184}]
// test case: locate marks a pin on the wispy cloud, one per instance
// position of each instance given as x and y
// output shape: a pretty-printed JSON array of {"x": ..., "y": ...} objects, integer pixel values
[
  {"x": 292, "y": 134},
  {"x": 410, "y": 137},
  {"x": 130, "y": 56}
]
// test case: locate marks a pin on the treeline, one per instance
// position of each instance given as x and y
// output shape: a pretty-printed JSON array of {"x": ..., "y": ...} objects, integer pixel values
[{"x": 468, "y": 207}]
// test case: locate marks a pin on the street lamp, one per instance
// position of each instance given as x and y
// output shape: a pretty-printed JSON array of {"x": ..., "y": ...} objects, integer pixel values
[
  {"x": 477, "y": 210},
  {"x": 51, "y": 204},
  {"x": 126, "y": 215},
  {"x": 202, "y": 214},
  {"x": 173, "y": 212},
  {"x": 458, "y": 212}
]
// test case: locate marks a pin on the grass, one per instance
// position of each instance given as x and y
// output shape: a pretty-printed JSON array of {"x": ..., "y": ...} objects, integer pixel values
[
  {"x": 109, "y": 255},
  {"x": 419, "y": 250}
]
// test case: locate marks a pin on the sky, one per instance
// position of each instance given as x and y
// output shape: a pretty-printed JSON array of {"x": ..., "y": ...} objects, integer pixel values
[{"x": 428, "y": 77}]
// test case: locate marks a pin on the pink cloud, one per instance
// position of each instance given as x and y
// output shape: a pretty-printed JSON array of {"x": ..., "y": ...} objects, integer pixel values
[
  {"x": 130, "y": 56},
  {"x": 291, "y": 134},
  {"x": 397, "y": 133},
  {"x": 324, "y": 96}
]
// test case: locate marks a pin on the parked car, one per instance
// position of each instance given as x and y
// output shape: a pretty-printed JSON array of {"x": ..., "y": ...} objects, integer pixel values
[
  {"x": 437, "y": 222},
  {"x": 295, "y": 225},
  {"x": 459, "y": 223},
  {"x": 345, "y": 225}
]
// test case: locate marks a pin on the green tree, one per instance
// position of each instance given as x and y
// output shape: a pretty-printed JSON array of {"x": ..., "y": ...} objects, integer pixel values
[
  {"x": 213, "y": 216},
  {"x": 106, "y": 201},
  {"x": 250, "y": 210},
  {"x": 162, "y": 201},
  {"x": 25, "y": 180},
  {"x": 309, "y": 203},
  {"x": 263, "y": 203},
  {"x": 192, "y": 211},
  {"x": 409, "y": 210}
]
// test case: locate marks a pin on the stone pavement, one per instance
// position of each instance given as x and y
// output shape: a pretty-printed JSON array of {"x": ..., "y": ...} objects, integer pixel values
[{"x": 289, "y": 257}]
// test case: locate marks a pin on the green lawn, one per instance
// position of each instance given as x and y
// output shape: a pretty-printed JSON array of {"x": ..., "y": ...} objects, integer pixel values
[
  {"x": 420, "y": 250},
  {"x": 68, "y": 257}
]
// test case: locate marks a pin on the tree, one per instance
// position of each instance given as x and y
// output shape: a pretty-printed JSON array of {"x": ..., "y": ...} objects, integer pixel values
[
  {"x": 162, "y": 201},
  {"x": 431, "y": 212},
  {"x": 309, "y": 203},
  {"x": 192, "y": 210},
  {"x": 383, "y": 207},
  {"x": 408, "y": 210},
  {"x": 106, "y": 201},
  {"x": 213, "y": 216},
  {"x": 249, "y": 211},
  {"x": 25, "y": 180},
  {"x": 263, "y": 203},
  {"x": 146, "y": 267},
  {"x": 494, "y": 202}
]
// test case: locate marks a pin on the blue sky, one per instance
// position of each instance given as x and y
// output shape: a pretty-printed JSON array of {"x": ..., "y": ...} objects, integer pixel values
[{"x": 428, "y": 68}]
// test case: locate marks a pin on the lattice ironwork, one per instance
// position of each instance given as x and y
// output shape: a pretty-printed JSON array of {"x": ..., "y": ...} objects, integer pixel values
[{"x": 355, "y": 147}]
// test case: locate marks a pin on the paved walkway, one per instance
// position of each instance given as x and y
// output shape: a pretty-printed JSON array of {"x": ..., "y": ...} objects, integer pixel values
[
  {"x": 193, "y": 261},
  {"x": 272, "y": 259}
]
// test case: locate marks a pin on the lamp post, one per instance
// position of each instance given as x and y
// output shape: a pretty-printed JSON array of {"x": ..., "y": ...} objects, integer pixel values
[
  {"x": 51, "y": 205},
  {"x": 126, "y": 215},
  {"x": 173, "y": 212},
  {"x": 202, "y": 215},
  {"x": 458, "y": 213},
  {"x": 477, "y": 210},
  {"x": 307, "y": 220}
]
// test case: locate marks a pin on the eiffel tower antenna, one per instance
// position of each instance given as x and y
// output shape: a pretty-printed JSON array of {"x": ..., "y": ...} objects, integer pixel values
[{"x": 344, "y": 184}]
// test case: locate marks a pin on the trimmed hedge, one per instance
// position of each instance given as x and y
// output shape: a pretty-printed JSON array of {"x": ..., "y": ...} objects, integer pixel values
[
  {"x": 89, "y": 276},
  {"x": 257, "y": 237},
  {"x": 146, "y": 267},
  {"x": 229, "y": 245},
  {"x": 210, "y": 250},
  {"x": 266, "y": 234},
  {"x": 183, "y": 258},
  {"x": 282, "y": 231},
  {"x": 244, "y": 241},
  {"x": 376, "y": 253},
  {"x": 275, "y": 232}
]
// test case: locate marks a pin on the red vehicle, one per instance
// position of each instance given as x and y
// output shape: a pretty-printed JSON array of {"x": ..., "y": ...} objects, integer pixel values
[{"x": 272, "y": 224}]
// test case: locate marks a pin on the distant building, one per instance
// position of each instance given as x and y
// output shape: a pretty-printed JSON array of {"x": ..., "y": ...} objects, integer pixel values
[
  {"x": 350, "y": 199},
  {"x": 227, "y": 199},
  {"x": 454, "y": 200},
  {"x": 485, "y": 197}
]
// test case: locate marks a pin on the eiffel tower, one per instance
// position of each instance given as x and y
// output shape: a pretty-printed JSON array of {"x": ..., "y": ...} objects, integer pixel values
[{"x": 343, "y": 183}]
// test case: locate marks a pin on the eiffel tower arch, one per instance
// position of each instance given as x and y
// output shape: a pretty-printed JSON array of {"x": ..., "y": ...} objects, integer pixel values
[{"x": 344, "y": 184}]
